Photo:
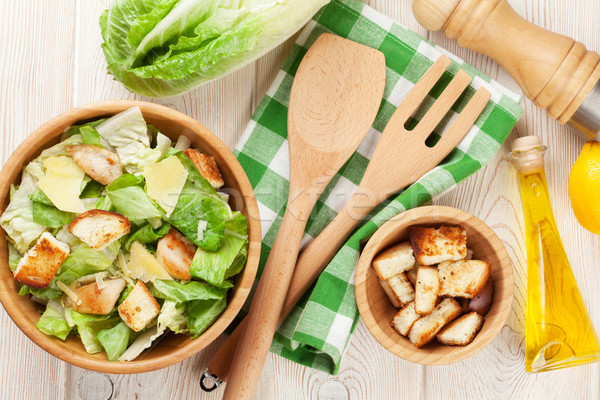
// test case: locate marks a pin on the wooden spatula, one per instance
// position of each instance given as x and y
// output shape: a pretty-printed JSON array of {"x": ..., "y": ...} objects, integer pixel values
[
  {"x": 334, "y": 100},
  {"x": 400, "y": 158}
]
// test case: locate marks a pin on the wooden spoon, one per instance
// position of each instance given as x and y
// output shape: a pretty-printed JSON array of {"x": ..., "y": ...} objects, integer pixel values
[
  {"x": 334, "y": 101},
  {"x": 400, "y": 158}
]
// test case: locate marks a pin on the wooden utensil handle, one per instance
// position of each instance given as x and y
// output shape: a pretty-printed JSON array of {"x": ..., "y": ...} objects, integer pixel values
[
  {"x": 263, "y": 317},
  {"x": 310, "y": 264},
  {"x": 555, "y": 71}
]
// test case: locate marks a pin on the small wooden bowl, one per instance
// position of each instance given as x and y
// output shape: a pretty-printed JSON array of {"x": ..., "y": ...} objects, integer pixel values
[
  {"x": 172, "y": 348},
  {"x": 377, "y": 311}
]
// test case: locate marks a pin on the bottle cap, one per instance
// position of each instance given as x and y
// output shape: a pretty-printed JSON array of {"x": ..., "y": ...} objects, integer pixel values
[{"x": 526, "y": 143}]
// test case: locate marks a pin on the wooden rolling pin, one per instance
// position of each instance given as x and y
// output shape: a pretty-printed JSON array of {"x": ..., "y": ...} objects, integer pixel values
[{"x": 559, "y": 74}]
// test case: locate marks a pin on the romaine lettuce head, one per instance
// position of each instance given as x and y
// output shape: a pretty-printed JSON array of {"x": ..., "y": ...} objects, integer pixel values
[{"x": 165, "y": 47}]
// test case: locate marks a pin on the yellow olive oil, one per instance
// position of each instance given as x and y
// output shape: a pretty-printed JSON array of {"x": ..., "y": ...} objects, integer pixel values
[{"x": 558, "y": 332}]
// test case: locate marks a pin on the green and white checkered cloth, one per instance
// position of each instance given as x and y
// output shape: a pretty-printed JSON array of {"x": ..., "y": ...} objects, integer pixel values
[{"x": 318, "y": 330}]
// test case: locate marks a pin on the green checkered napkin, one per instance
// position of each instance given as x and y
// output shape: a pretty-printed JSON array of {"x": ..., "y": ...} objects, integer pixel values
[{"x": 317, "y": 331}]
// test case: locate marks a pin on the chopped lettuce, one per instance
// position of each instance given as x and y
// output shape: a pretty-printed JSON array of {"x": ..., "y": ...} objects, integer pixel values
[
  {"x": 17, "y": 219},
  {"x": 92, "y": 190},
  {"x": 76, "y": 129},
  {"x": 46, "y": 214},
  {"x": 165, "y": 47},
  {"x": 127, "y": 134},
  {"x": 179, "y": 292},
  {"x": 89, "y": 325},
  {"x": 53, "y": 322},
  {"x": 193, "y": 207},
  {"x": 215, "y": 267},
  {"x": 81, "y": 262},
  {"x": 142, "y": 342},
  {"x": 203, "y": 313},
  {"x": 89, "y": 135},
  {"x": 173, "y": 316},
  {"x": 127, "y": 196},
  {"x": 13, "y": 257},
  {"x": 146, "y": 234},
  {"x": 115, "y": 340},
  {"x": 105, "y": 204}
]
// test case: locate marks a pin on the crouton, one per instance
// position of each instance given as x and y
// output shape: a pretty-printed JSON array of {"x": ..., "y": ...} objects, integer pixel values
[
  {"x": 411, "y": 274},
  {"x": 400, "y": 288},
  {"x": 433, "y": 246},
  {"x": 207, "y": 167},
  {"x": 462, "y": 331},
  {"x": 426, "y": 290},
  {"x": 40, "y": 263},
  {"x": 404, "y": 320},
  {"x": 139, "y": 308},
  {"x": 424, "y": 329},
  {"x": 94, "y": 300},
  {"x": 99, "y": 228},
  {"x": 483, "y": 301},
  {"x": 469, "y": 255},
  {"x": 394, "y": 260},
  {"x": 463, "y": 278},
  {"x": 390, "y": 294},
  {"x": 102, "y": 165},
  {"x": 176, "y": 252}
]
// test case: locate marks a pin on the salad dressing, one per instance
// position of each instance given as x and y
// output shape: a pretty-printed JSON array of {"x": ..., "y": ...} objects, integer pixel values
[{"x": 558, "y": 332}]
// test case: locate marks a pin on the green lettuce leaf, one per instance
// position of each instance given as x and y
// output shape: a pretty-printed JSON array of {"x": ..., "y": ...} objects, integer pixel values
[
  {"x": 127, "y": 196},
  {"x": 163, "y": 48},
  {"x": 13, "y": 257},
  {"x": 76, "y": 129},
  {"x": 215, "y": 267},
  {"x": 17, "y": 219},
  {"x": 173, "y": 316},
  {"x": 203, "y": 313},
  {"x": 115, "y": 340},
  {"x": 89, "y": 135},
  {"x": 46, "y": 214},
  {"x": 81, "y": 262},
  {"x": 92, "y": 190},
  {"x": 105, "y": 204},
  {"x": 127, "y": 134},
  {"x": 53, "y": 322},
  {"x": 192, "y": 207},
  {"x": 89, "y": 325},
  {"x": 146, "y": 234},
  {"x": 179, "y": 292}
]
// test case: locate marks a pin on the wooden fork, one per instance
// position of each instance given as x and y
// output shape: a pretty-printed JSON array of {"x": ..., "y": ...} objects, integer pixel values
[{"x": 400, "y": 158}]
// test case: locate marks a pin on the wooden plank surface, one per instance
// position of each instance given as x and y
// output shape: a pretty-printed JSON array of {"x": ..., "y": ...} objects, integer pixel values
[{"x": 50, "y": 61}]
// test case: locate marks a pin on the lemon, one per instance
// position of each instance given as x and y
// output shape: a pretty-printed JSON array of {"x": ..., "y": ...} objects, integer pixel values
[{"x": 584, "y": 187}]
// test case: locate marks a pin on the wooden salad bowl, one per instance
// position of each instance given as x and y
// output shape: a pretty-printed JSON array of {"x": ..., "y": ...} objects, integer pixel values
[
  {"x": 172, "y": 348},
  {"x": 377, "y": 311}
]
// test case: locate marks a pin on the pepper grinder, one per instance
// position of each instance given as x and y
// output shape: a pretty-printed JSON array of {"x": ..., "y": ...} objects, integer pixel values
[{"x": 559, "y": 74}]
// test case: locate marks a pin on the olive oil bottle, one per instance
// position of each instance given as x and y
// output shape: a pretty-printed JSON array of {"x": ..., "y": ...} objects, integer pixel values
[{"x": 558, "y": 332}]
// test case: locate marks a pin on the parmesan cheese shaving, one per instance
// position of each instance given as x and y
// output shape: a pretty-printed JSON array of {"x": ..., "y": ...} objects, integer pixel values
[
  {"x": 100, "y": 282},
  {"x": 72, "y": 295},
  {"x": 183, "y": 143},
  {"x": 202, "y": 225},
  {"x": 62, "y": 183},
  {"x": 164, "y": 182}
]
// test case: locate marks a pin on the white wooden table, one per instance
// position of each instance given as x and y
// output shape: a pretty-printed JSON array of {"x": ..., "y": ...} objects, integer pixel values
[{"x": 50, "y": 61}]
